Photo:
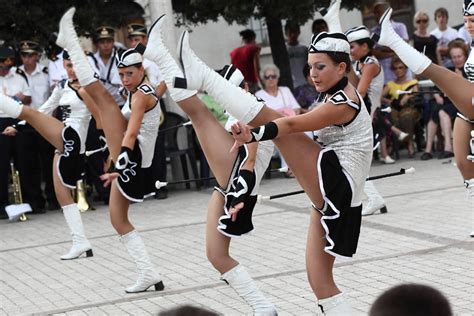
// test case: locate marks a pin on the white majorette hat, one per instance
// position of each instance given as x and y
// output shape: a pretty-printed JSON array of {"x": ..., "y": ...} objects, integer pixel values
[
  {"x": 357, "y": 33},
  {"x": 130, "y": 57},
  {"x": 468, "y": 7},
  {"x": 329, "y": 43}
]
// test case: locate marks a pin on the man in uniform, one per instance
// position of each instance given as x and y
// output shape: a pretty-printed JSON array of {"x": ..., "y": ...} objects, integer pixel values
[
  {"x": 137, "y": 34},
  {"x": 37, "y": 148},
  {"x": 13, "y": 83}
]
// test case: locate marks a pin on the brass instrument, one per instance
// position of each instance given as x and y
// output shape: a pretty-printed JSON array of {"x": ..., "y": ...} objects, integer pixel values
[
  {"x": 81, "y": 197},
  {"x": 18, "y": 198}
]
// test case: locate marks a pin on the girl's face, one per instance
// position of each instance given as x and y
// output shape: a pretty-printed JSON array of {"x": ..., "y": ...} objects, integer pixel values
[
  {"x": 69, "y": 69},
  {"x": 469, "y": 24},
  {"x": 131, "y": 77},
  {"x": 400, "y": 70},
  {"x": 271, "y": 79},
  {"x": 324, "y": 72},
  {"x": 358, "y": 51},
  {"x": 458, "y": 57}
]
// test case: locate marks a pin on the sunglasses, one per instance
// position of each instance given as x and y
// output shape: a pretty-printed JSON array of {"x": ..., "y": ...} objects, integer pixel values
[
  {"x": 422, "y": 21},
  {"x": 399, "y": 67},
  {"x": 270, "y": 77}
]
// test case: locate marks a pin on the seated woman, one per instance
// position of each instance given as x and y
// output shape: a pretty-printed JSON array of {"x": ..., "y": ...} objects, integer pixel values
[
  {"x": 404, "y": 114},
  {"x": 68, "y": 136}
]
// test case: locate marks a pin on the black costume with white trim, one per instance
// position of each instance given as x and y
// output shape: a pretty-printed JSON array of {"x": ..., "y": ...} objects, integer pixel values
[{"x": 133, "y": 164}]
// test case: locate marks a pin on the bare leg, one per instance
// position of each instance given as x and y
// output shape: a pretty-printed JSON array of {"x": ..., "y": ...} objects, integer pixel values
[
  {"x": 63, "y": 194},
  {"x": 319, "y": 264},
  {"x": 430, "y": 134},
  {"x": 462, "y": 130},
  {"x": 118, "y": 208},
  {"x": 49, "y": 127},
  {"x": 447, "y": 128}
]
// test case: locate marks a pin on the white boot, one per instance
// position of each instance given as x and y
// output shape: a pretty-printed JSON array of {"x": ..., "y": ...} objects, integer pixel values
[
  {"x": 147, "y": 276},
  {"x": 239, "y": 279},
  {"x": 9, "y": 106},
  {"x": 335, "y": 305},
  {"x": 242, "y": 105},
  {"x": 376, "y": 201},
  {"x": 470, "y": 192},
  {"x": 415, "y": 60},
  {"x": 158, "y": 53},
  {"x": 332, "y": 17},
  {"x": 80, "y": 244},
  {"x": 67, "y": 39}
]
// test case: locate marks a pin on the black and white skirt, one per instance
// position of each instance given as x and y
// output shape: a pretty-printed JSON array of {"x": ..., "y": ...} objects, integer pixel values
[
  {"x": 137, "y": 183},
  {"x": 340, "y": 220},
  {"x": 71, "y": 163}
]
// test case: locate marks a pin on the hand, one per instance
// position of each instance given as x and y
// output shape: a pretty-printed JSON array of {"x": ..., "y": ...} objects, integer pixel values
[
  {"x": 9, "y": 131},
  {"x": 109, "y": 177},
  {"x": 241, "y": 134},
  {"x": 235, "y": 210},
  {"x": 20, "y": 96}
]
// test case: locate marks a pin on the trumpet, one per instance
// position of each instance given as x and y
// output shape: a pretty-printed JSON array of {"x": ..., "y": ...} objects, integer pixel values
[{"x": 18, "y": 198}]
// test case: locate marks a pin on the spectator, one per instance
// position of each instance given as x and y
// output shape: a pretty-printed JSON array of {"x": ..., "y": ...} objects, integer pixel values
[
  {"x": 411, "y": 300},
  {"x": 404, "y": 114},
  {"x": 247, "y": 59},
  {"x": 383, "y": 53},
  {"x": 422, "y": 40},
  {"x": 444, "y": 34},
  {"x": 278, "y": 98},
  {"x": 297, "y": 53},
  {"x": 319, "y": 25},
  {"x": 464, "y": 34},
  {"x": 306, "y": 95}
]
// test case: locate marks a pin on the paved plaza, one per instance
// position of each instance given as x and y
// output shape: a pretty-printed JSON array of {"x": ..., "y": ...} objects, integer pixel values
[{"x": 423, "y": 238}]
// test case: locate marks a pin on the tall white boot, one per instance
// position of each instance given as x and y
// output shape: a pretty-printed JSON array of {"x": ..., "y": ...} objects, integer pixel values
[
  {"x": 376, "y": 201},
  {"x": 9, "y": 106},
  {"x": 147, "y": 276},
  {"x": 157, "y": 51},
  {"x": 67, "y": 39},
  {"x": 240, "y": 280},
  {"x": 80, "y": 244},
  {"x": 332, "y": 17},
  {"x": 415, "y": 60},
  {"x": 240, "y": 104},
  {"x": 335, "y": 305},
  {"x": 470, "y": 192}
]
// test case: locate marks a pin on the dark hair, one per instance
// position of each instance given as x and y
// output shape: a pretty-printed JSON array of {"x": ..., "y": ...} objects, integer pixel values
[
  {"x": 292, "y": 26},
  {"x": 248, "y": 35},
  {"x": 339, "y": 57},
  {"x": 186, "y": 310},
  {"x": 411, "y": 300},
  {"x": 370, "y": 42},
  {"x": 306, "y": 70},
  {"x": 317, "y": 24},
  {"x": 441, "y": 11},
  {"x": 396, "y": 60}
]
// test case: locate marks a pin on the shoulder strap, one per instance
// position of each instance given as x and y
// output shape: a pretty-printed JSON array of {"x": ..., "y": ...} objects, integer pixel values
[
  {"x": 340, "y": 97},
  {"x": 22, "y": 73}
]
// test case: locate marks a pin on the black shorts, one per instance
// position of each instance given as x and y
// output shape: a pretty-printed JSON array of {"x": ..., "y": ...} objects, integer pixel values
[
  {"x": 339, "y": 219},
  {"x": 71, "y": 163},
  {"x": 136, "y": 184}
]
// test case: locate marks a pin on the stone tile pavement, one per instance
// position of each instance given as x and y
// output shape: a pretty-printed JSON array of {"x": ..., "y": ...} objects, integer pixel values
[{"x": 423, "y": 238}]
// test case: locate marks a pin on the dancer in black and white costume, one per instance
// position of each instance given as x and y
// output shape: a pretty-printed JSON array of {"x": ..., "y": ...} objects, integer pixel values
[
  {"x": 459, "y": 90},
  {"x": 130, "y": 142},
  {"x": 238, "y": 175},
  {"x": 68, "y": 136},
  {"x": 332, "y": 176}
]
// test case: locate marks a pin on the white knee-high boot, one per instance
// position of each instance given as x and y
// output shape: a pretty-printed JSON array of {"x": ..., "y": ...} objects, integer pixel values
[
  {"x": 470, "y": 192},
  {"x": 242, "y": 105},
  {"x": 10, "y": 107},
  {"x": 80, "y": 244},
  {"x": 67, "y": 39},
  {"x": 335, "y": 305},
  {"x": 157, "y": 51},
  {"x": 239, "y": 279},
  {"x": 375, "y": 202},
  {"x": 147, "y": 276},
  {"x": 332, "y": 17},
  {"x": 415, "y": 60}
]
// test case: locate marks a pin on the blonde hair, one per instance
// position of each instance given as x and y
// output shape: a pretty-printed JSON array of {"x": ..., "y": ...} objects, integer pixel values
[{"x": 419, "y": 14}]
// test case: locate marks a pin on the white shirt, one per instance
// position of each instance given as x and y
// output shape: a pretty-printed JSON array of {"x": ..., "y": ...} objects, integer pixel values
[
  {"x": 444, "y": 37},
  {"x": 109, "y": 75},
  {"x": 56, "y": 71},
  {"x": 464, "y": 34},
  {"x": 283, "y": 99},
  {"x": 38, "y": 81},
  {"x": 12, "y": 84}
]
